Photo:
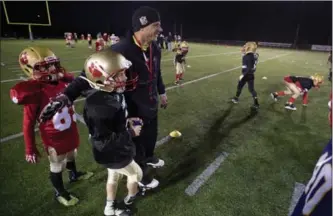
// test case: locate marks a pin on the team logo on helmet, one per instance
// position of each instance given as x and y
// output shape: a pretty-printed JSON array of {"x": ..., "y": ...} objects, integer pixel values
[
  {"x": 24, "y": 58},
  {"x": 95, "y": 70}
]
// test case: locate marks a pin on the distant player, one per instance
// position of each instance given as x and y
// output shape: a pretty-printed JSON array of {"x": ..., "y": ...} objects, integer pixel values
[
  {"x": 89, "y": 39},
  {"x": 100, "y": 44},
  {"x": 69, "y": 40},
  {"x": 113, "y": 39},
  {"x": 75, "y": 37},
  {"x": 105, "y": 38},
  {"x": 297, "y": 86},
  {"x": 60, "y": 134},
  {"x": 180, "y": 61},
  {"x": 82, "y": 37},
  {"x": 249, "y": 66}
]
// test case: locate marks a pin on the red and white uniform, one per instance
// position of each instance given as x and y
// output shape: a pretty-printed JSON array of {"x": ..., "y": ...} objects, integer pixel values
[
  {"x": 61, "y": 131},
  {"x": 105, "y": 37},
  {"x": 100, "y": 44},
  {"x": 82, "y": 36}
]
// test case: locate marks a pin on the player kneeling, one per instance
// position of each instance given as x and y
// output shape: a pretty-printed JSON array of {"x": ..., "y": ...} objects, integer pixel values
[
  {"x": 111, "y": 131},
  {"x": 59, "y": 134},
  {"x": 180, "y": 61},
  {"x": 297, "y": 86}
]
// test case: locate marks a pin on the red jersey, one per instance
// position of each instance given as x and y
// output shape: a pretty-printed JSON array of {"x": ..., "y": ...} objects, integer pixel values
[
  {"x": 61, "y": 131},
  {"x": 105, "y": 37},
  {"x": 69, "y": 37},
  {"x": 99, "y": 45}
]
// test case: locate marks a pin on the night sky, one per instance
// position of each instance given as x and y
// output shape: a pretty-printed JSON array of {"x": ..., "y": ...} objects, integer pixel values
[{"x": 260, "y": 21}]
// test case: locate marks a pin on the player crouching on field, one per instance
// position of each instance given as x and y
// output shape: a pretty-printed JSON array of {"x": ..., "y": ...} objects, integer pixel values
[
  {"x": 180, "y": 61},
  {"x": 60, "y": 134},
  {"x": 111, "y": 131},
  {"x": 297, "y": 86}
]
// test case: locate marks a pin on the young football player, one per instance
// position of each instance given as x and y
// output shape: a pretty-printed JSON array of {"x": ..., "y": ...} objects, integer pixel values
[
  {"x": 297, "y": 86},
  {"x": 60, "y": 135},
  {"x": 100, "y": 44},
  {"x": 249, "y": 65},
  {"x": 89, "y": 39},
  {"x": 180, "y": 61},
  {"x": 110, "y": 129}
]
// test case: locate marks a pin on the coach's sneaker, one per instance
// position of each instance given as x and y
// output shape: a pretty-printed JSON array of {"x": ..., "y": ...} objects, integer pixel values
[
  {"x": 112, "y": 210},
  {"x": 274, "y": 96},
  {"x": 155, "y": 162},
  {"x": 234, "y": 100},
  {"x": 74, "y": 177},
  {"x": 144, "y": 187},
  {"x": 66, "y": 199},
  {"x": 290, "y": 106}
]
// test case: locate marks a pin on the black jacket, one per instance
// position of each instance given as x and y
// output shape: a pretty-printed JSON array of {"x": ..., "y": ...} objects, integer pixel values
[
  {"x": 105, "y": 116},
  {"x": 143, "y": 101},
  {"x": 249, "y": 62}
]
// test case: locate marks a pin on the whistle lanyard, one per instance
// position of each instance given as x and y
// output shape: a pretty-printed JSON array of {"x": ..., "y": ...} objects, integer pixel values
[{"x": 148, "y": 62}]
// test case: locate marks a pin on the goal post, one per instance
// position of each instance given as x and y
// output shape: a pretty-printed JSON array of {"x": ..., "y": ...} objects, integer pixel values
[{"x": 26, "y": 23}]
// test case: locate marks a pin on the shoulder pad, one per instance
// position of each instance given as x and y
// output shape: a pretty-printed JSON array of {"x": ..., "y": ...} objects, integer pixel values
[{"x": 26, "y": 92}]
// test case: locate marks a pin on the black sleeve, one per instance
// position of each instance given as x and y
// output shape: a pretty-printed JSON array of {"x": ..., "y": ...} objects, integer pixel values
[
  {"x": 98, "y": 119},
  {"x": 160, "y": 83},
  {"x": 77, "y": 88},
  {"x": 248, "y": 63}
]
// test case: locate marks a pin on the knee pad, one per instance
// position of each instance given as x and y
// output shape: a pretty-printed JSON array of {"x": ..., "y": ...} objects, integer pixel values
[{"x": 113, "y": 177}]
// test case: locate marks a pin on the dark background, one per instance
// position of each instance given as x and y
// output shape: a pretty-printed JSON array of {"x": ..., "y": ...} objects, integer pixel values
[{"x": 249, "y": 20}]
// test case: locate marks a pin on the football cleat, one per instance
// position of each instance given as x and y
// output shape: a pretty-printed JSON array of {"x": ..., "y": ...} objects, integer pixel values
[
  {"x": 79, "y": 176},
  {"x": 113, "y": 210},
  {"x": 274, "y": 96},
  {"x": 234, "y": 100},
  {"x": 290, "y": 106},
  {"x": 66, "y": 199},
  {"x": 155, "y": 162},
  {"x": 145, "y": 187}
]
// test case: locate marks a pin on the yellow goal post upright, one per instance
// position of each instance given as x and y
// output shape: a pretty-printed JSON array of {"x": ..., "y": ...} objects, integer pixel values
[{"x": 28, "y": 24}]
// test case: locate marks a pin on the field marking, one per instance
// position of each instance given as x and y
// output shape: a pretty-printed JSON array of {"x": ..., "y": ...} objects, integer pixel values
[
  {"x": 163, "y": 60},
  {"x": 298, "y": 191},
  {"x": 205, "y": 175},
  {"x": 186, "y": 83}
]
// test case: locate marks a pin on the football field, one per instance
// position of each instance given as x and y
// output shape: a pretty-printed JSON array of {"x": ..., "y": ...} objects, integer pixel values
[{"x": 228, "y": 161}]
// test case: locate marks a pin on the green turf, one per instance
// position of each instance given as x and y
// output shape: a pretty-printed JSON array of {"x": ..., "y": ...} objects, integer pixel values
[{"x": 268, "y": 152}]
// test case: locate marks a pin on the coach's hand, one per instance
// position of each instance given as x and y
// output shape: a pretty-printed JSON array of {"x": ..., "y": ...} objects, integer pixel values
[{"x": 164, "y": 101}]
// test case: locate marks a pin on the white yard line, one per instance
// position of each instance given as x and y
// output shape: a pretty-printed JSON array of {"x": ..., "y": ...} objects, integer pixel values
[
  {"x": 205, "y": 175},
  {"x": 186, "y": 83},
  {"x": 298, "y": 190},
  {"x": 163, "y": 60}
]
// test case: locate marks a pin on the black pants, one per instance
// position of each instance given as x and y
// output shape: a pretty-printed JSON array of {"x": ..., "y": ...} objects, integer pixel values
[
  {"x": 145, "y": 146},
  {"x": 249, "y": 79}
]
